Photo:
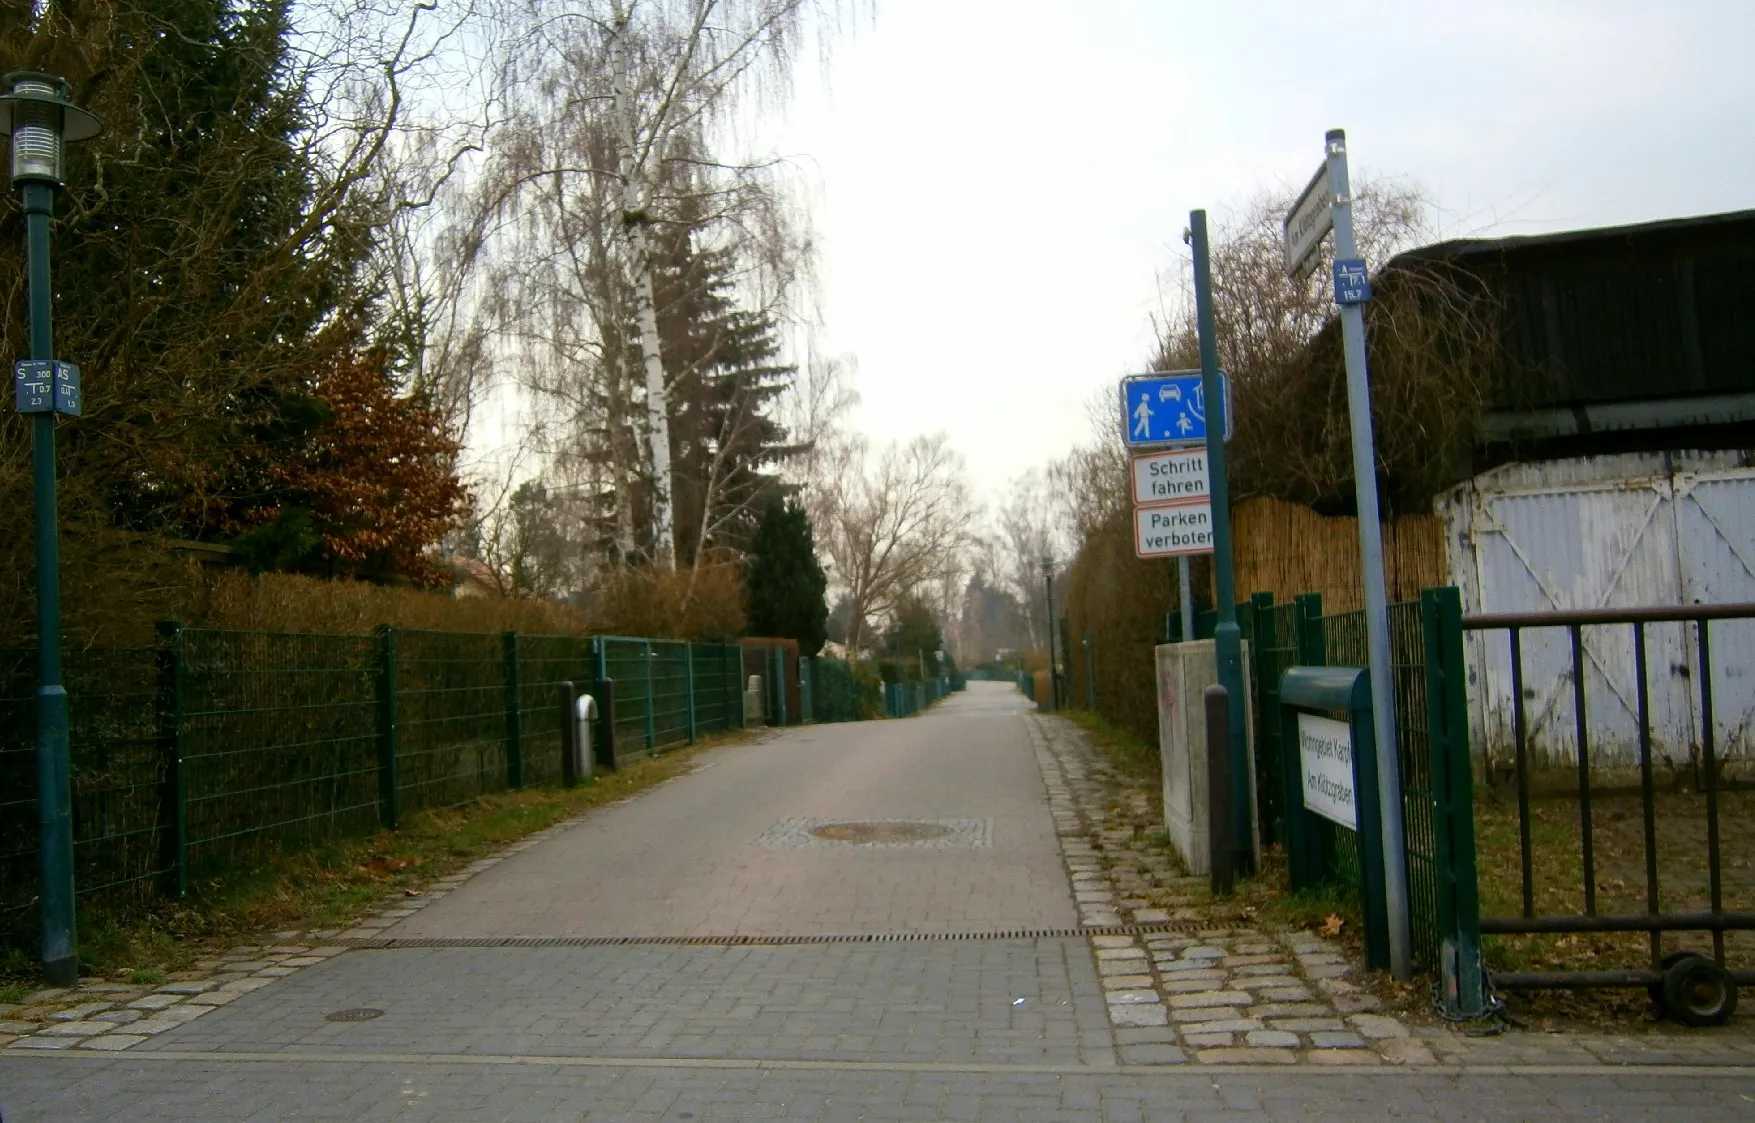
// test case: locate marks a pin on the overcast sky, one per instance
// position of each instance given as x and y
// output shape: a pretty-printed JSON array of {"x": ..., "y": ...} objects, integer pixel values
[{"x": 998, "y": 186}]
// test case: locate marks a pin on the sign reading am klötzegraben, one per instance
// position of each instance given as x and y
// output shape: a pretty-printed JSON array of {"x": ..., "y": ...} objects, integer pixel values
[{"x": 1325, "y": 756}]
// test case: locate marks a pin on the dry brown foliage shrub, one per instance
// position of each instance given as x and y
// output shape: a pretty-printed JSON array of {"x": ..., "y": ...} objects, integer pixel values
[
  {"x": 705, "y": 602},
  {"x": 1120, "y": 602},
  {"x": 1432, "y": 349},
  {"x": 280, "y": 602}
]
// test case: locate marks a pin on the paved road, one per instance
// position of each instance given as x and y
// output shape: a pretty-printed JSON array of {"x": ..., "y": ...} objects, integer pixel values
[
  {"x": 978, "y": 1027},
  {"x": 720, "y": 852}
]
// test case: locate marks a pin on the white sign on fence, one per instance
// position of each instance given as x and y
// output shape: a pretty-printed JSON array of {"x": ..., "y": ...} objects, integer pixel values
[
  {"x": 1165, "y": 532},
  {"x": 1165, "y": 478},
  {"x": 1325, "y": 752}
]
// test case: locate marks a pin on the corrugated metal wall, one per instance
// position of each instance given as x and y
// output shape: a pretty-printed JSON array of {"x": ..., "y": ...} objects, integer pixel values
[{"x": 1604, "y": 532}]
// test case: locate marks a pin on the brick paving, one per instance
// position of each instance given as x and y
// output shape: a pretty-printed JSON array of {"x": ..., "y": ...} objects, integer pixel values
[
  {"x": 892, "y": 1023},
  {"x": 1224, "y": 996},
  {"x": 140, "y": 1089}
]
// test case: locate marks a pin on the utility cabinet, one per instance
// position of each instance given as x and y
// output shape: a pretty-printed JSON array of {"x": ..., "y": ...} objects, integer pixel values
[{"x": 1185, "y": 670}]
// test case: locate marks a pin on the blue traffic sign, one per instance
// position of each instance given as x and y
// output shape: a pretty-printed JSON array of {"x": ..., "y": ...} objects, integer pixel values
[
  {"x": 1168, "y": 408},
  {"x": 1352, "y": 281}
]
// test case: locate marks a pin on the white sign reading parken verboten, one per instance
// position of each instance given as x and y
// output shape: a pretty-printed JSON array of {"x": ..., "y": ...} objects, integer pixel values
[
  {"x": 1165, "y": 532},
  {"x": 1325, "y": 756}
]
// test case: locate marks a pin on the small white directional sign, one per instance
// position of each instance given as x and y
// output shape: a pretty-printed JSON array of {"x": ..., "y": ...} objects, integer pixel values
[
  {"x": 1165, "y": 532},
  {"x": 1167, "y": 478},
  {"x": 1308, "y": 224}
]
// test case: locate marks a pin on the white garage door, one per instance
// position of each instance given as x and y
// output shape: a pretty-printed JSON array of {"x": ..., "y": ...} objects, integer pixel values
[{"x": 1608, "y": 532}]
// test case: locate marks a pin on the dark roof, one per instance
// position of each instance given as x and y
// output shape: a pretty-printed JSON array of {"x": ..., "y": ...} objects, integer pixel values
[
  {"x": 1653, "y": 311},
  {"x": 1732, "y": 223}
]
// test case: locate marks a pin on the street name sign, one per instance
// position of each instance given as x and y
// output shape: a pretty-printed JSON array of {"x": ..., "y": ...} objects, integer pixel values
[
  {"x": 1325, "y": 757},
  {"x": 1168, "y": 408},
  {"x": 45, "y": 386},
  {"x": 1162, "y": 479},
  {"x": 1310, "y": 221},
  {"x": 1167, "y": 532}
]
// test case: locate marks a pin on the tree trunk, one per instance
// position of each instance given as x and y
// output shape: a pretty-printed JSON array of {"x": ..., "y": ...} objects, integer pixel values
[{"x": 634, "y": 221}]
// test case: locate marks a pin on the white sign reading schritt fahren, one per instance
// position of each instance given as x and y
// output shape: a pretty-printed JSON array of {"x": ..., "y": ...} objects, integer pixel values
[
  {"x": 1325, "y": 752},
  {"x": 1165, "y": 532},
  {"x": 1171, "y": 477}
]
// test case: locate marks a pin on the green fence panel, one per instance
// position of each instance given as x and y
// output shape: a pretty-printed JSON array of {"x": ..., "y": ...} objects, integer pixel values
[
  {"x": 544, "y": 662},
  {"x": 835, "y": 691},
  {"x": 451, "y": 718},
  {"x": 1345, "y": 645},
  {"x": 1458, "y": 916},
  {"x": 625, "y": 660},
  {"x": 118, "y": 778},
  {"x": 1273, "y": 652},
  {"x": 280, "y": 741},
  {"x": 718, "y": 702},
  {"x": 668, "y": 672}
]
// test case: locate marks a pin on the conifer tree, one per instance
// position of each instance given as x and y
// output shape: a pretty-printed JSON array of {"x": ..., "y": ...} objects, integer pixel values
[{"x": 784, "y": 581}]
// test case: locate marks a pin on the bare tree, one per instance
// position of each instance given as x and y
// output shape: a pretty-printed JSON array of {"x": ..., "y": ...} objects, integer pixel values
[
  {"x": 619, "y": 144},
  {"x": 1025, "y": 537},
  {"x": 893, "y": 523},
  {"x": 1428, "y": 331}
]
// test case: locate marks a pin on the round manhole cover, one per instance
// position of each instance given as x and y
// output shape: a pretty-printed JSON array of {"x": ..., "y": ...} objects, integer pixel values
[
  {"x": 357, "y": 1014},
  {"x": 881, "y": 832}
]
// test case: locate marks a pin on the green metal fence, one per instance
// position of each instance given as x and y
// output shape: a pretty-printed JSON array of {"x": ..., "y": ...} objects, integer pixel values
[
  {"x": 1427, "y": 671},
  {"x": 214, "y": 747},
  {"x": 118, "y": 775},
  {"x": 837, "y": 694}
]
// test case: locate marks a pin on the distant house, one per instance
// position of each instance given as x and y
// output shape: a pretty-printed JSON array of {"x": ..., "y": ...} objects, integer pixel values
[{"x": 472, "y": 577}]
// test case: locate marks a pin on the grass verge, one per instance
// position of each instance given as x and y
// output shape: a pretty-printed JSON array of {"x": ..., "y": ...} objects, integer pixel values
[
  {"x": 331, "y": 885},
  {"x": 1618, "y": 837}
]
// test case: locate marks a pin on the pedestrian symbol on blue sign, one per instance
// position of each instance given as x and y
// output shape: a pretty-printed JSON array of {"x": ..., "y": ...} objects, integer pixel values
[
  {"x": 1352, "y": 281},
  {"x": 1167, "y": 409}
]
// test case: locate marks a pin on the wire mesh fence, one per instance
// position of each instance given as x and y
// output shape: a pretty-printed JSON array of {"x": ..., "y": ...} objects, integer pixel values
[
  {"x": 215, "y": 747},
  {"x": 1284, "y": 635},
  {"x": 838, "y": 694},
  {"x": 118, "y": 774}
]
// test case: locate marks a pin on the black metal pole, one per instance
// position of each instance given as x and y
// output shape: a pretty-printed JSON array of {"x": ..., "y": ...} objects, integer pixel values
[
  {"x": 1053, "y": 677},
  {"x": 1221, "y": 827},
  {"x": 54, "y": 771}
]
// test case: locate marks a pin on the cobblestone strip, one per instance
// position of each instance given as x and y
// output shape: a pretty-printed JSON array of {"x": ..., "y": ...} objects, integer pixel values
[
  {"x": 1222, "y": 996},
  {"x": 108, "y": 1017}
]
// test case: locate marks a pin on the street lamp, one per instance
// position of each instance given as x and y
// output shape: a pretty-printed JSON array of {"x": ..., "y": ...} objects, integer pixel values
[
  {"x": 35, "y": 113},
  {"x": 1053, "y": 674}
]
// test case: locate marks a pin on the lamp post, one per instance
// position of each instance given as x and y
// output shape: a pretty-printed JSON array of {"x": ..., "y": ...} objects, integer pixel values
[
  {"x": 1053, "y": 675},
  {"x": 35, "y": 113}
]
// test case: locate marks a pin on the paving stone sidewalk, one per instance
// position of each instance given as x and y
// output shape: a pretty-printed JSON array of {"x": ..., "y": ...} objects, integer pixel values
[
  {"x": 1224, "y": 995},
  {"x": 1235, "y": 995}
]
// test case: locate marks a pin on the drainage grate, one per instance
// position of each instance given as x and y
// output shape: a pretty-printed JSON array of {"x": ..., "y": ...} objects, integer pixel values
[
  {"x": 357, "y": 1014},
  {"x": 388, "y": 944}
]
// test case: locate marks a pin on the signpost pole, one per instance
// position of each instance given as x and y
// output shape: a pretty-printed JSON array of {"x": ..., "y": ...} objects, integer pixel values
[
  {"x": 1371, "y": 556},
  {"x": 1185, "y": 589},
  {"x": 1228, "y": 638}
]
